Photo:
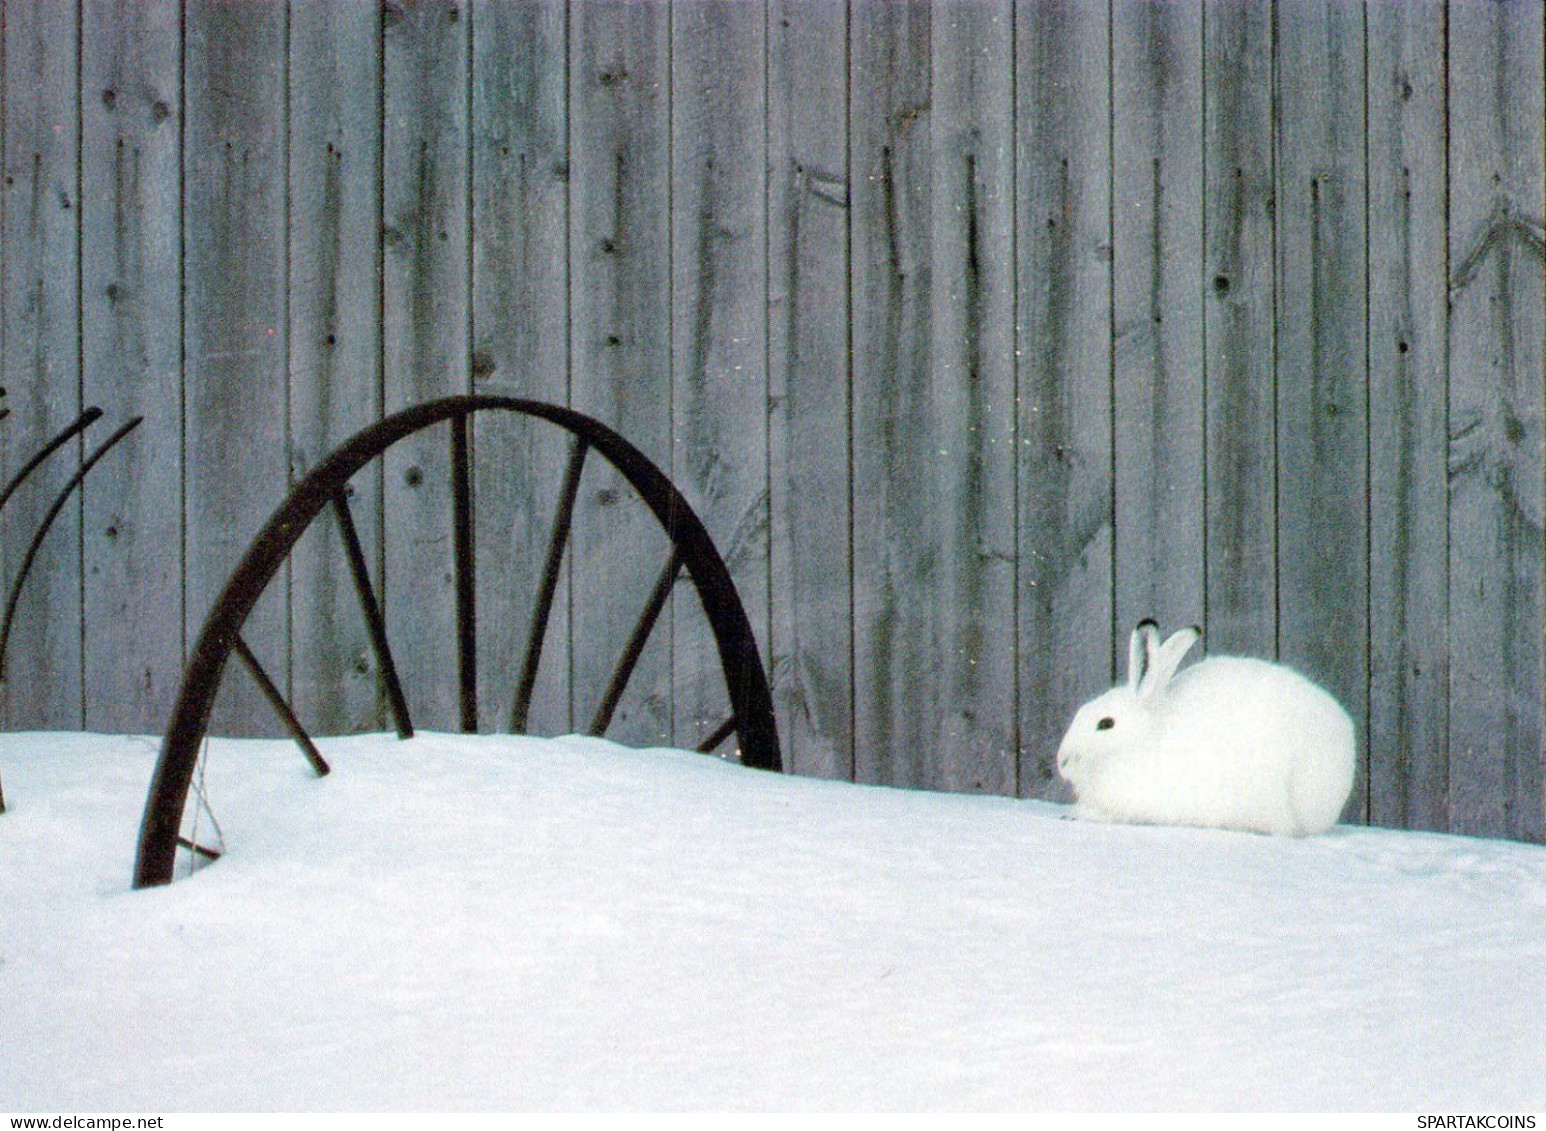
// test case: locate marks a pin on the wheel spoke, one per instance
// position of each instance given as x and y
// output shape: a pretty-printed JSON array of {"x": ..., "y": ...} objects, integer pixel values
[
  {"x": 374, "y": 623},
  {"x": 720, "y": 733},
  {"x": 550, "y": 571},
  {"x": 466, "y": 575},
  {"x": 641, "y": 634},
  {"x": 277, "y": 701}
]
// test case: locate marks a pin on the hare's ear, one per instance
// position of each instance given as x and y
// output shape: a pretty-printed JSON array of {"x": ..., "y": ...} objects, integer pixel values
[
  {"x": 1168, "y": 658},
  {"x": 1140, "y": 653}
]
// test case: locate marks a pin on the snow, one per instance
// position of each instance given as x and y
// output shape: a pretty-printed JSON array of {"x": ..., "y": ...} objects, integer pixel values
[{"x": 502, "y": 923}]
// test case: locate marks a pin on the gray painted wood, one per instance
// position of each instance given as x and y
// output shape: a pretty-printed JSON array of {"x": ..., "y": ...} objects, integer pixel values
[
  {"x": 894, "y": 565},
  {"x": 1063, "y": 87},
  {"x": 41, "y": 365},
  {"x": 1188, "y": 301},
  {"x": 972, "y": 416},
  {"x": 620, "y": 276},
  {"x": 1322, "y": 383},
  {"x": 131, "y": 349},
  {"x": 234, "y": 241},
  {"x": 1239, "y": 359},
  {"x": 1408, "y": 485},
  {"x": 1157, "y": 222},
  {"x": 1495, "y": 421},
  {"x": 426, "y": 308},
  {"x": 719, "y": 391},
  {"x": 811, "y": 639},
  {"x": 335, "y": 344},
  {"x": 520, "y": 217}
]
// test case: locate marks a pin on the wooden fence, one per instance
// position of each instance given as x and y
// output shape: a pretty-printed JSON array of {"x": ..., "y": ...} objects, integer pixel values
[{"x": 977, "y": 331}]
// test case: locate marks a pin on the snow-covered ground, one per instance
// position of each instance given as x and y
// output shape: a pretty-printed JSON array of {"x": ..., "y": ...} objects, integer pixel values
[{"x": 487, "y": 923}]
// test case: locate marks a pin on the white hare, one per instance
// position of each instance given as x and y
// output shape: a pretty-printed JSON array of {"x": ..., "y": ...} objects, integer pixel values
[{"x": 1231, "y": 743}]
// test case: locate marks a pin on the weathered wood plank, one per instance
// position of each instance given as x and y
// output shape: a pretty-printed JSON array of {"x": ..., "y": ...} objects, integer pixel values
[
  {"x": 1239, "y": 358},
  {"x": 719, "y": 327},
  {"x": 972, "y": 408},
  {"x": 1408, "y": 485},
  {"x": 620, "y": 87},
  {"x": 335, "y": 345},
  {"x": 520, "y": 217},
  {"x": 234, "y": 361},
  {"x": 1063, "y": 90},
  {"x": 131, "y": 343},
  {"x": 894, "y": 556},
  {"x": 40, "y": 309},
  {"x": 1496, "y": 454},
  {"x": 1157, "y": 114},
  {"x": 426, "y": 308},
  {"x": 1322, "y": 425},
  {"x": 809, "y": 386}
]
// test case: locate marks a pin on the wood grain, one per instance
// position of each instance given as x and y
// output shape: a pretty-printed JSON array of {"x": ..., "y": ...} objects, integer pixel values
[
  {"x": 1497, "y": 322},
  {"x": 1063, "y": 350},
  {"x": 235, "y": 325},
  {"x": 810, "y": 386},
  {"x": 132, "y": 361},
  {"x": 335, "y": 345},
  {"x": 1408, "y": 447}
]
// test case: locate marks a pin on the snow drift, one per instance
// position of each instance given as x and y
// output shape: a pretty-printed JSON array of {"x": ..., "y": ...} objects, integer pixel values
[{"x": 505, "y": 923}]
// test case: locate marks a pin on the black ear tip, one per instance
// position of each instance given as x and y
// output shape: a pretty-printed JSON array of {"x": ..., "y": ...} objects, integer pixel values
[
  {"x": 1197, "y": 628},
  {"x": 1146, "y": 622}
]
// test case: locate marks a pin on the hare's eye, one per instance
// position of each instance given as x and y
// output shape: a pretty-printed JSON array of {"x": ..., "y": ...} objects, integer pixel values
[{"x": 1106, "y": 724}]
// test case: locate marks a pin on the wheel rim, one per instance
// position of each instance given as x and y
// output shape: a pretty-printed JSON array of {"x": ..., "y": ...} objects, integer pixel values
[{"x": 324, "y": 487}]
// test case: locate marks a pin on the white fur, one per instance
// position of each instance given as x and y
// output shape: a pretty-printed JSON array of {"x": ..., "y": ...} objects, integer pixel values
[{"x": 1230, "y": 742}]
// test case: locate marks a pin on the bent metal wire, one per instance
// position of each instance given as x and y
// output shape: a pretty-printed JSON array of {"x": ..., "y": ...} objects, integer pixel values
[
  {"x": 75, "y": 428},
  {"x": 326, "y": 487}
]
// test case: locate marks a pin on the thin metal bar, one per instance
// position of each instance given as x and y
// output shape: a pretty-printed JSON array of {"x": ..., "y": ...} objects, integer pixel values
[
  {"x": 374, "y": 622},
  {"x": 466, "y": 575},
  {"x": 277, "y": 701},
  {"x": 550, "y": 570},
  {"x": 722, "y": 732},
  {"x": 198, "y": 849},
  {"x": 53, "y": 513},
  {"x": 641, "y": 634},
  {"x": 82, "y": 422}
]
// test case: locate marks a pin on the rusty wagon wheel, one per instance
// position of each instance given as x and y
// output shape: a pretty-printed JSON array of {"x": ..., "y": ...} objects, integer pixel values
[{"x": 326, "y": 488}]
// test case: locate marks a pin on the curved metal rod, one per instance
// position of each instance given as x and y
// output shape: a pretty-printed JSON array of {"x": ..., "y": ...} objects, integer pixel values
[
  {"x": 82, "y": 422},
  {"x": 48, "y": 521},
  {"x": 750, "y": 699}
]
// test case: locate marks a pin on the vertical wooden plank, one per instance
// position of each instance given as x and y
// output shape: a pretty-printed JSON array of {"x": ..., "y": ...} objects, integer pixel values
[
  {"x": 335, "y": 343},
  {"x": 234, "y": 246},
  {"x": 1065, "y": 372},
  {"x": 1238, "y": 255},
  {"x": 620, "y": 86},
  {"x": 39, "y": 306},
  {"x": 425, "y": 340},
  {"x": 1408, "y": 496},
  {"x": 1157, "y": 317},
  {"x": 719, "y": 326},
  {"x": 809, "y": 385},
  {"x": 1495, "y": 419},
  {"x": 1322, "y": 427},
  {"x": 894, "y": 563},
  {"x": 131, "y": 312},
  {"x": 520, "y": 217},
  {"x": 972, "y": 408}
]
